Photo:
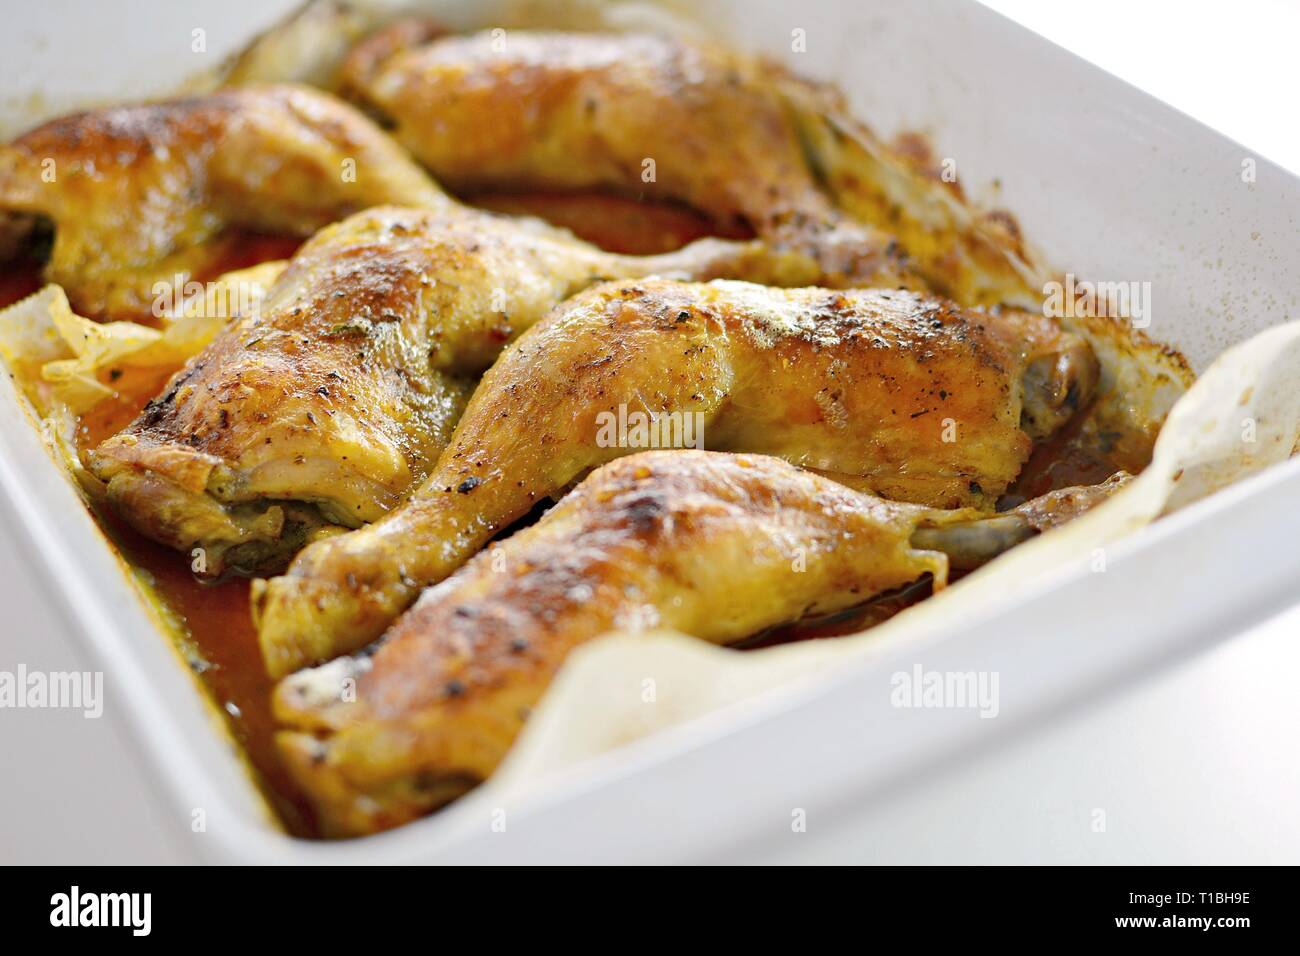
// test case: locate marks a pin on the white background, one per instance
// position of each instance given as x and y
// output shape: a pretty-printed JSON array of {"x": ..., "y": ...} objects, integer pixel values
[{"x": 1196, "y": 765}]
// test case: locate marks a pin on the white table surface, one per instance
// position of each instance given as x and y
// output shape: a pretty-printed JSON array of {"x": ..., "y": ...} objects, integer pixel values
[{"x": 1198, "y": 764}]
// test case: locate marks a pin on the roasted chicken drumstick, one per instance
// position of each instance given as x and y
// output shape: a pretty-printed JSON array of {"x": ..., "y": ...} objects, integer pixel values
[
  {"x": 638, "y": 114},
  {"x": 139, "y": 194},
  {"x": 906, "y": 396},
  {"x": 322, "y": 410},
  {"x": 718, "y": 546}
]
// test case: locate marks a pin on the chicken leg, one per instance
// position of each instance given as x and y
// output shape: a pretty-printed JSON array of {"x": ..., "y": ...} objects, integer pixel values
[
  {"x": 321, "y": 411},
  {"x": 911, "y": 397},
  {"x": 637, "y": 114},
  {"x": 140, "y": 194},
  {"x": 717, "y": 546}
]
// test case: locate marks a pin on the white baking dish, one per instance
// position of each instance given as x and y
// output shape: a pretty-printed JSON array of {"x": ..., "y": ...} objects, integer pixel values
[{"x": 1106, "y": 181}]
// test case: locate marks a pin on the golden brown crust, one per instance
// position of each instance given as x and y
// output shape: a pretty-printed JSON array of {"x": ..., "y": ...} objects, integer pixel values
[
  {"x": 341, "y": 393},
  {"x": 919, "y": 400},
  {"x": 138, "y": 194},
  {"x": 643, "y": 115},
  {"x": 719, "y": 546}
]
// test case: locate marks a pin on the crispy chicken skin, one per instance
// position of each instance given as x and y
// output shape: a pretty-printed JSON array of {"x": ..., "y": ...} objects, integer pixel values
[
  {"x": 638, "y": 114},
  {"x": 718, "y": 546},
  {"x": 697, "y": 541},
  {"x": 326, "y": 407},
  {"x": 138, "y": 194},
  {"x": 916, "y": 400}
]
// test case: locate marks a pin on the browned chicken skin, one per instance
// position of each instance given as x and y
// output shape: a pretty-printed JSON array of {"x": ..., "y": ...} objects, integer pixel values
[
  {"x": 326, "y": 407},
  {"x": 911, "y": 397},
  {"x": 638, "y": 114},
  {"x": 138, "y": 194},
  {"x": 718, "y": 546}
]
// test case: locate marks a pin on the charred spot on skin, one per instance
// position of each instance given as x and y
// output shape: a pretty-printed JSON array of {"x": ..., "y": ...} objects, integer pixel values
[
  {"x": 644, "y": 511},
  {"x": 454, "y": 688},
  {"x": 468, "y": 485}
]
